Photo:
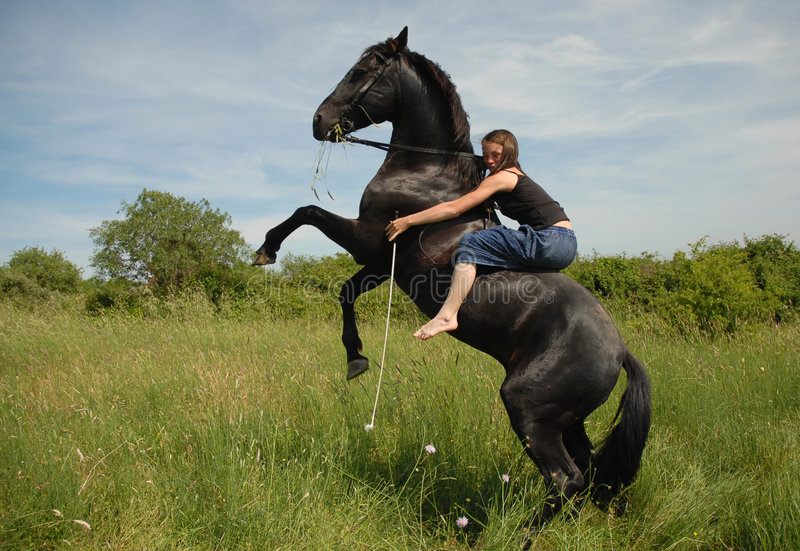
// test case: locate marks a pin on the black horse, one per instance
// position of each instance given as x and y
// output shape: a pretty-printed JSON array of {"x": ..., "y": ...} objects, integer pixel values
[{"x": 560, "y": 349}]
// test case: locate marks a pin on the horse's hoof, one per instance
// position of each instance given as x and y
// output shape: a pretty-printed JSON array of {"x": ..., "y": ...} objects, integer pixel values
[
  {"x": 262, "y": 259},
  {"x": 356, "y": 367}
]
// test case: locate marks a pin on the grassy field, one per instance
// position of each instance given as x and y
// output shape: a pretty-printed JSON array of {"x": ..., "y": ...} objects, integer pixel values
[{"x": 195, "y": 432}]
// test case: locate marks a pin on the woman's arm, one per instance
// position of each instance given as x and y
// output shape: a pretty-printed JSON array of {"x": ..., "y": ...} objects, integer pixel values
[{"x": 501, "y": 181}]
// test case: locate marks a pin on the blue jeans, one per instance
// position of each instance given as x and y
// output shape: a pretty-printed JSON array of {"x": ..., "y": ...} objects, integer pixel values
[{"x": 552, "y": 248}]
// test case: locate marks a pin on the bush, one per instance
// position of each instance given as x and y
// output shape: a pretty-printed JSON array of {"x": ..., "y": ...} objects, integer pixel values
[
  {"x": 50, "y": 271},
  {"x": 118, "y": 295},
  {"x": 637, "y": 281},
  {"x": 775, "y": 265},
  {"x": 16, "y": 285},
  {"x": 712, "y": 288}
]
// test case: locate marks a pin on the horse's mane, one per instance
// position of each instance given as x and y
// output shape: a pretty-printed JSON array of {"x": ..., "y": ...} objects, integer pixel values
[{"x": 469, "y": 171}]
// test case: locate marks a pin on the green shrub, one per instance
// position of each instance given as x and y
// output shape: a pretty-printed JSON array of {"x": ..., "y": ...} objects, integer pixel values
[
  {"x": 775, "y": 265},
  {"x": 301, "y": 286},
  {"x": 638, "y": 281},
  {"x": 50, "y": 271},
  {"x": 118, "y": 295},
  {"x": 713, "y": 290},
  {"x": 16, "y": 285}
]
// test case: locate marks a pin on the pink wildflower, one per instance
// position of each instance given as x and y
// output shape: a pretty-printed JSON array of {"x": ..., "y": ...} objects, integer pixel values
[
  {"x": 430, "y": 448},
  {"x": 462, "y": 522},
  {"x": 505, "y": 478}
]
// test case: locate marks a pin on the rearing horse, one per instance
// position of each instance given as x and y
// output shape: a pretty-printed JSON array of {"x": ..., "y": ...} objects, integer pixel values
[{"x": 560, "y": 349}]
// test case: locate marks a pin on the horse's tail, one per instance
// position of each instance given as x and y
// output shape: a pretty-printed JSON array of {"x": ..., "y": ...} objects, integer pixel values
[{"x": 615, "y": 465}]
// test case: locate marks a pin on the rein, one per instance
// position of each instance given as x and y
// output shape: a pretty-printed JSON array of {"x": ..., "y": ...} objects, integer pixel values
[{"x": 388, "y": 146}]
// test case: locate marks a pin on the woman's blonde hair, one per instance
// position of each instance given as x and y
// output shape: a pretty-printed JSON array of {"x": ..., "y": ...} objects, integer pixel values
[{"x": 506, "y": 139}]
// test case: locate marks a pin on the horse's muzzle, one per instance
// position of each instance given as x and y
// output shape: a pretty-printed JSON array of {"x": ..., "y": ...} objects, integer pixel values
[
  {"x": 331, "y": 123},
  {"x": 320, "y": 133}
]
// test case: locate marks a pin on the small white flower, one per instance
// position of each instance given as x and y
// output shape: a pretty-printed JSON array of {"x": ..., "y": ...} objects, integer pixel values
[
  {"x": 505, "y": 478},
  {"x": 462, "y": 522},
  {"x": 369, "y": 427},
  {"x": 430, "y": 448}
]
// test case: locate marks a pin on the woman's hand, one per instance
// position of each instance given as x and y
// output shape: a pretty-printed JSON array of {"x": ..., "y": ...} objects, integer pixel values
[{"x": 396, "y": 227}]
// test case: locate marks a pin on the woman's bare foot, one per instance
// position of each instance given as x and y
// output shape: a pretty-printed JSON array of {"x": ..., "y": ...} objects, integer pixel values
[{"x": 435, "y": 326}]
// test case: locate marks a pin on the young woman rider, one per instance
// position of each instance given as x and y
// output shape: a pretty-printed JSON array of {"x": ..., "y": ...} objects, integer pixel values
[{"x": 545, "y": 238}]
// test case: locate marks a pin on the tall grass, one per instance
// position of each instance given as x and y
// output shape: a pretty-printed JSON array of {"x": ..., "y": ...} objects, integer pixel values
[{"x": 191, "y": 431}]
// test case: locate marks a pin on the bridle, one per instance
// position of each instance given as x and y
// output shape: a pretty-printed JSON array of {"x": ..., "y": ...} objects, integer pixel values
[
  {"x": 365, "y": 88},
  {"x": 355, "y": 102}
]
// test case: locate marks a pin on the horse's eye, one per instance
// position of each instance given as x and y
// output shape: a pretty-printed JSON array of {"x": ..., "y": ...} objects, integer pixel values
[{"x": 358, "y": 74}]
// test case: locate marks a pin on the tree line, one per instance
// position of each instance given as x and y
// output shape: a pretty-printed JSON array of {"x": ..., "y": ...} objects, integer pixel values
[{"x": 166, "y": 248}]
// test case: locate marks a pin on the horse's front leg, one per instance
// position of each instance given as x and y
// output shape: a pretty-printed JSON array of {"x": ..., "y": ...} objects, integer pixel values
[
  {"x": 366, "y": 279},
  {"x": 341, "y": 231}
]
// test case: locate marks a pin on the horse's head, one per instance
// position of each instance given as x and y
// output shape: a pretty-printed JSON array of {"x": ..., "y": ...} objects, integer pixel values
[{"x": 364, "y": 95}]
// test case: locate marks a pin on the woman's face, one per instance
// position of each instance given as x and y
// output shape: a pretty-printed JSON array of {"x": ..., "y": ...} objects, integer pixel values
[{"x": 492, "y": 155}]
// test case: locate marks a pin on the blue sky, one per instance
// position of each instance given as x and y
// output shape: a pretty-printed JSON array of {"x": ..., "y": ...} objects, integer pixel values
[{"x": 653, "y": 123}]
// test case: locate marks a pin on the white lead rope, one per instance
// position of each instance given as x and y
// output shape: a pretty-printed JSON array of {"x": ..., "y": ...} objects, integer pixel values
[{"x": 371, "y": 424}]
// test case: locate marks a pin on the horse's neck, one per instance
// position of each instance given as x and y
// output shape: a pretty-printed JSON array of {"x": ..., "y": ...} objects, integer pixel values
[
  {"x": 411, "y": 180},
  {"x": 422, "y": 117}
]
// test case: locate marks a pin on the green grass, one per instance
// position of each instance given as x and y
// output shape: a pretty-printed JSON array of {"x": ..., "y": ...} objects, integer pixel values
[{"x": 189, "y": 431}]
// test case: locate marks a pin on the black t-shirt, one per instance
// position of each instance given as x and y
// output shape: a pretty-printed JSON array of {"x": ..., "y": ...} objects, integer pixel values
[{"x": 528, "y": 203}]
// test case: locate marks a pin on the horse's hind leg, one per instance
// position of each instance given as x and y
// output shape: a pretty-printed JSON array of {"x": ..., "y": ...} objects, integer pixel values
[
  {"x": 366, "y": 279},
  {"x": 579, "y": 448},
  {"x": 544, "y": 444},
  {"x": 562, "y": 477},
  {"x": 578, "y": 445}
]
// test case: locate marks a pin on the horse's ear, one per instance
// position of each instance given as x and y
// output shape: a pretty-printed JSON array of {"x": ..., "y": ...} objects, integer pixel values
[{"x": 399, "y": 44}]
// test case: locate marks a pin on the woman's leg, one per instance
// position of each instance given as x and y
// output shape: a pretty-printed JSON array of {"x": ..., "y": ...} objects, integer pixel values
[{"x": 446, "y": 319}]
